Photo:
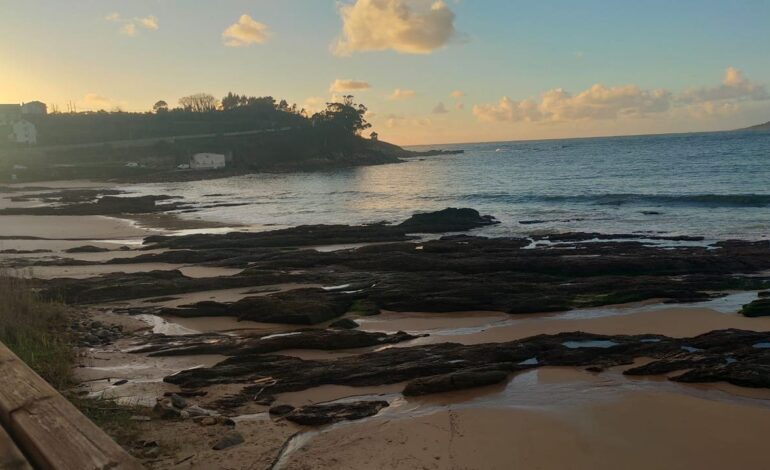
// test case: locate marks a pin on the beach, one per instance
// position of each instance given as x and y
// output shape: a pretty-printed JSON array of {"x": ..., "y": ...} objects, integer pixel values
[{"x": 489, "y": 376}]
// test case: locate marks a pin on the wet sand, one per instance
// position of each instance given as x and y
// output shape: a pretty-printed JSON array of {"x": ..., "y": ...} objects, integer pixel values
[{"x": 638, "y": 430}]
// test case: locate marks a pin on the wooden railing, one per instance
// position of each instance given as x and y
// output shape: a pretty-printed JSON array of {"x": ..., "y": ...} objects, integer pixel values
[{"x": 42, "y": 430}]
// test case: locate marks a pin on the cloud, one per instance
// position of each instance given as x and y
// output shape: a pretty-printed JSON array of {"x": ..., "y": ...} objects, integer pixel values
[
  {"x": 734, "y": 86},
  {"x": 340, "y": 85},
  {"x": 314, "y": 104},
  {"x": 245, "y": 32},
  {"x": 440, "y": 109},
  {"x": 405, "y": 26},
  {"x": 128, "y": 29},
  {"x": 397, "y": 120},
  {"x": 460, "y": 106},
  {"x": 602, "y": 102},
  {"x": 149, "y": 22},
  {"x": 399, "y": 94},
  {"x": 95, "y": 101},
  {"x": 597, "y": 102},
  {"x": 457, "y": 94},
  {"x": 129, "y": 26}
]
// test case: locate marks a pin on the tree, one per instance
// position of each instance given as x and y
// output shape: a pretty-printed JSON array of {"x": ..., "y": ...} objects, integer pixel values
[
  {"x": 232, "y": 101},
  {"x": 160, "y": 107},
  {"x": 346, "y": 115},
  {"x": 198, "y": 103}
]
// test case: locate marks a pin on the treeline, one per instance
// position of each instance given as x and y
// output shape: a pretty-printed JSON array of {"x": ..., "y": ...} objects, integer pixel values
[{"x": 200, "y": 114}]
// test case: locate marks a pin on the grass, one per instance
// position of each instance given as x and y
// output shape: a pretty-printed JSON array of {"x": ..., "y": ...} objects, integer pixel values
[{"x": 35, "y": 329}]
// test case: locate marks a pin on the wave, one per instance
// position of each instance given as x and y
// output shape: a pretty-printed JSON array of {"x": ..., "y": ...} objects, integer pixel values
[{"x": 699, "y": 200}]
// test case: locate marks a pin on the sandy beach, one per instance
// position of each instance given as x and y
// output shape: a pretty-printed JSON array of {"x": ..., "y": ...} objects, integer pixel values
[{"x": 547, "y": 418}]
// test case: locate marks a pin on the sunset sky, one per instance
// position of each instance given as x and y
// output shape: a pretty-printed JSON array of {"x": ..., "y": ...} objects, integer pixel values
[{"x": 429, "y": 71}]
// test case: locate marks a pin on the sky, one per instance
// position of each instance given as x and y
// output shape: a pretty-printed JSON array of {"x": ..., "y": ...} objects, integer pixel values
[{"x": 430, "y": 71}]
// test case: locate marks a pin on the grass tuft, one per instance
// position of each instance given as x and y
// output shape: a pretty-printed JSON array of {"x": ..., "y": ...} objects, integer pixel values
[{"x": 36, "y": 330}]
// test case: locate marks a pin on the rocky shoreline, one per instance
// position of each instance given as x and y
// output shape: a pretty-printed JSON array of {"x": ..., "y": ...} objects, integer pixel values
[{"x": 306, "y": 341}]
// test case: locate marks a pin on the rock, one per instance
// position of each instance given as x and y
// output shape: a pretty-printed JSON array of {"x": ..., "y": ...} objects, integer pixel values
[
  {"x": 454, "y": 381},
  {"x": 207, "y": 421},
  {"x": 178, "y": 402},
  {"x": 86, "y": 249},
  {"x": 232, "y": 438},
  {"x": 216, "y": 343},
  {"x": 195, "y": 411},
  {"x": 317, "y": 415},
  {"x": 281, "y": 410},
  {"x": 165, "y": 409},
  {"x": 344, "y": 324},
  {"x": 757, "y": 308},
  {"x": 365, "y": 308},
  {"x": 447, "y": 220},
  {"x": 458, "y": 366}
]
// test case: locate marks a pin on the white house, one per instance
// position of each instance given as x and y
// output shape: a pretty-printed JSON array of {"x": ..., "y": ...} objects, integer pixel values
[
  {"x": 34, "y": 107},
  {"x": 23, "y": 132},
  {"x": 207, "y": 161}
]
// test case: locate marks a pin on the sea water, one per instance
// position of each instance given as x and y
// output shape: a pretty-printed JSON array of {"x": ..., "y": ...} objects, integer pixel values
[{"x": 715, "y": 185}]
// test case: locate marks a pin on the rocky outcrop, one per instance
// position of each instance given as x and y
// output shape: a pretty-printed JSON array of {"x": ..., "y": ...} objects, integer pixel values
[
  {"x": 229, "y": 345},
  {"x": 454, "y": 381},
  {"x": 757, "y": 308},
  {"x": 736, "y": 356},
  {"x": 317, "y": 415},
  {"x": 447, "y": 220}
]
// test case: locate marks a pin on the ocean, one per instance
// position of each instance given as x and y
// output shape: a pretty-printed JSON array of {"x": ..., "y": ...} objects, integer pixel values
[{"x": 715, "y": 185}]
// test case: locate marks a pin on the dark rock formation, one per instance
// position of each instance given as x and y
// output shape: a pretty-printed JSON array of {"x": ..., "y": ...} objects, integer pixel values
[
  {"x": 344, "y": 324},
  {"x": 106, "y": 205},
  {"x": 215, "y": 343},
  {"x": 736, "y": 356},
  {"x": 757, "y": 308},
  {"x": 87, "y": 249},
  {"x": 317, "y": 415},
  {"x": 447, "y": 220},
  {"x": 454, "y": 381}
]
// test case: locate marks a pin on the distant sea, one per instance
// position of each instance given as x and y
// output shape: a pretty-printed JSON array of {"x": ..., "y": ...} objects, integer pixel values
[{"x": 715, "y": 185}]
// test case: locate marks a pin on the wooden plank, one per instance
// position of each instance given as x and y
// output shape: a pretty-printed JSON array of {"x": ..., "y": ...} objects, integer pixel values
[
  {"x": 20, "y": 385},
  {"x": 55, "y": 435},
  {"x": 11, "y": 457},
  {"x": 51, "y": 432}
]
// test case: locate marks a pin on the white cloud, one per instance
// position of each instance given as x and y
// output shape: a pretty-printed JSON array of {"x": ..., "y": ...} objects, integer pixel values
[
  {"x": 129, "y": 26},
  {"x": 602, "y": 102},
  {"x": 340, "y": 85},
  {"x": 457, "y": 94},
  {"x": 128, "y": 29},
  {"x": 734, "y": 86},
  {"x": 406, "y": 26},
  {"x": 245, "y": 32},
  {"x": 440, "y": 109},
  {"x": 149, "y": 22},
  {"x": 399, "y": 94}
]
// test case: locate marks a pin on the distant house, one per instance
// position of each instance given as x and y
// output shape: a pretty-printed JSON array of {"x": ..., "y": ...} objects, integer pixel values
[
  {"x": 374, "y": 136},
  {"x": 9, "y": 113},
  {"x": 208, "y": 161},
  {"x": 23, "y": 132},
  {"x": 36, "y": 108}
]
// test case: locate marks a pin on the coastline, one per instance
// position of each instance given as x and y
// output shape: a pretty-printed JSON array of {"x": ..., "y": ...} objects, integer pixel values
[{"x": 519, "y": 421}]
